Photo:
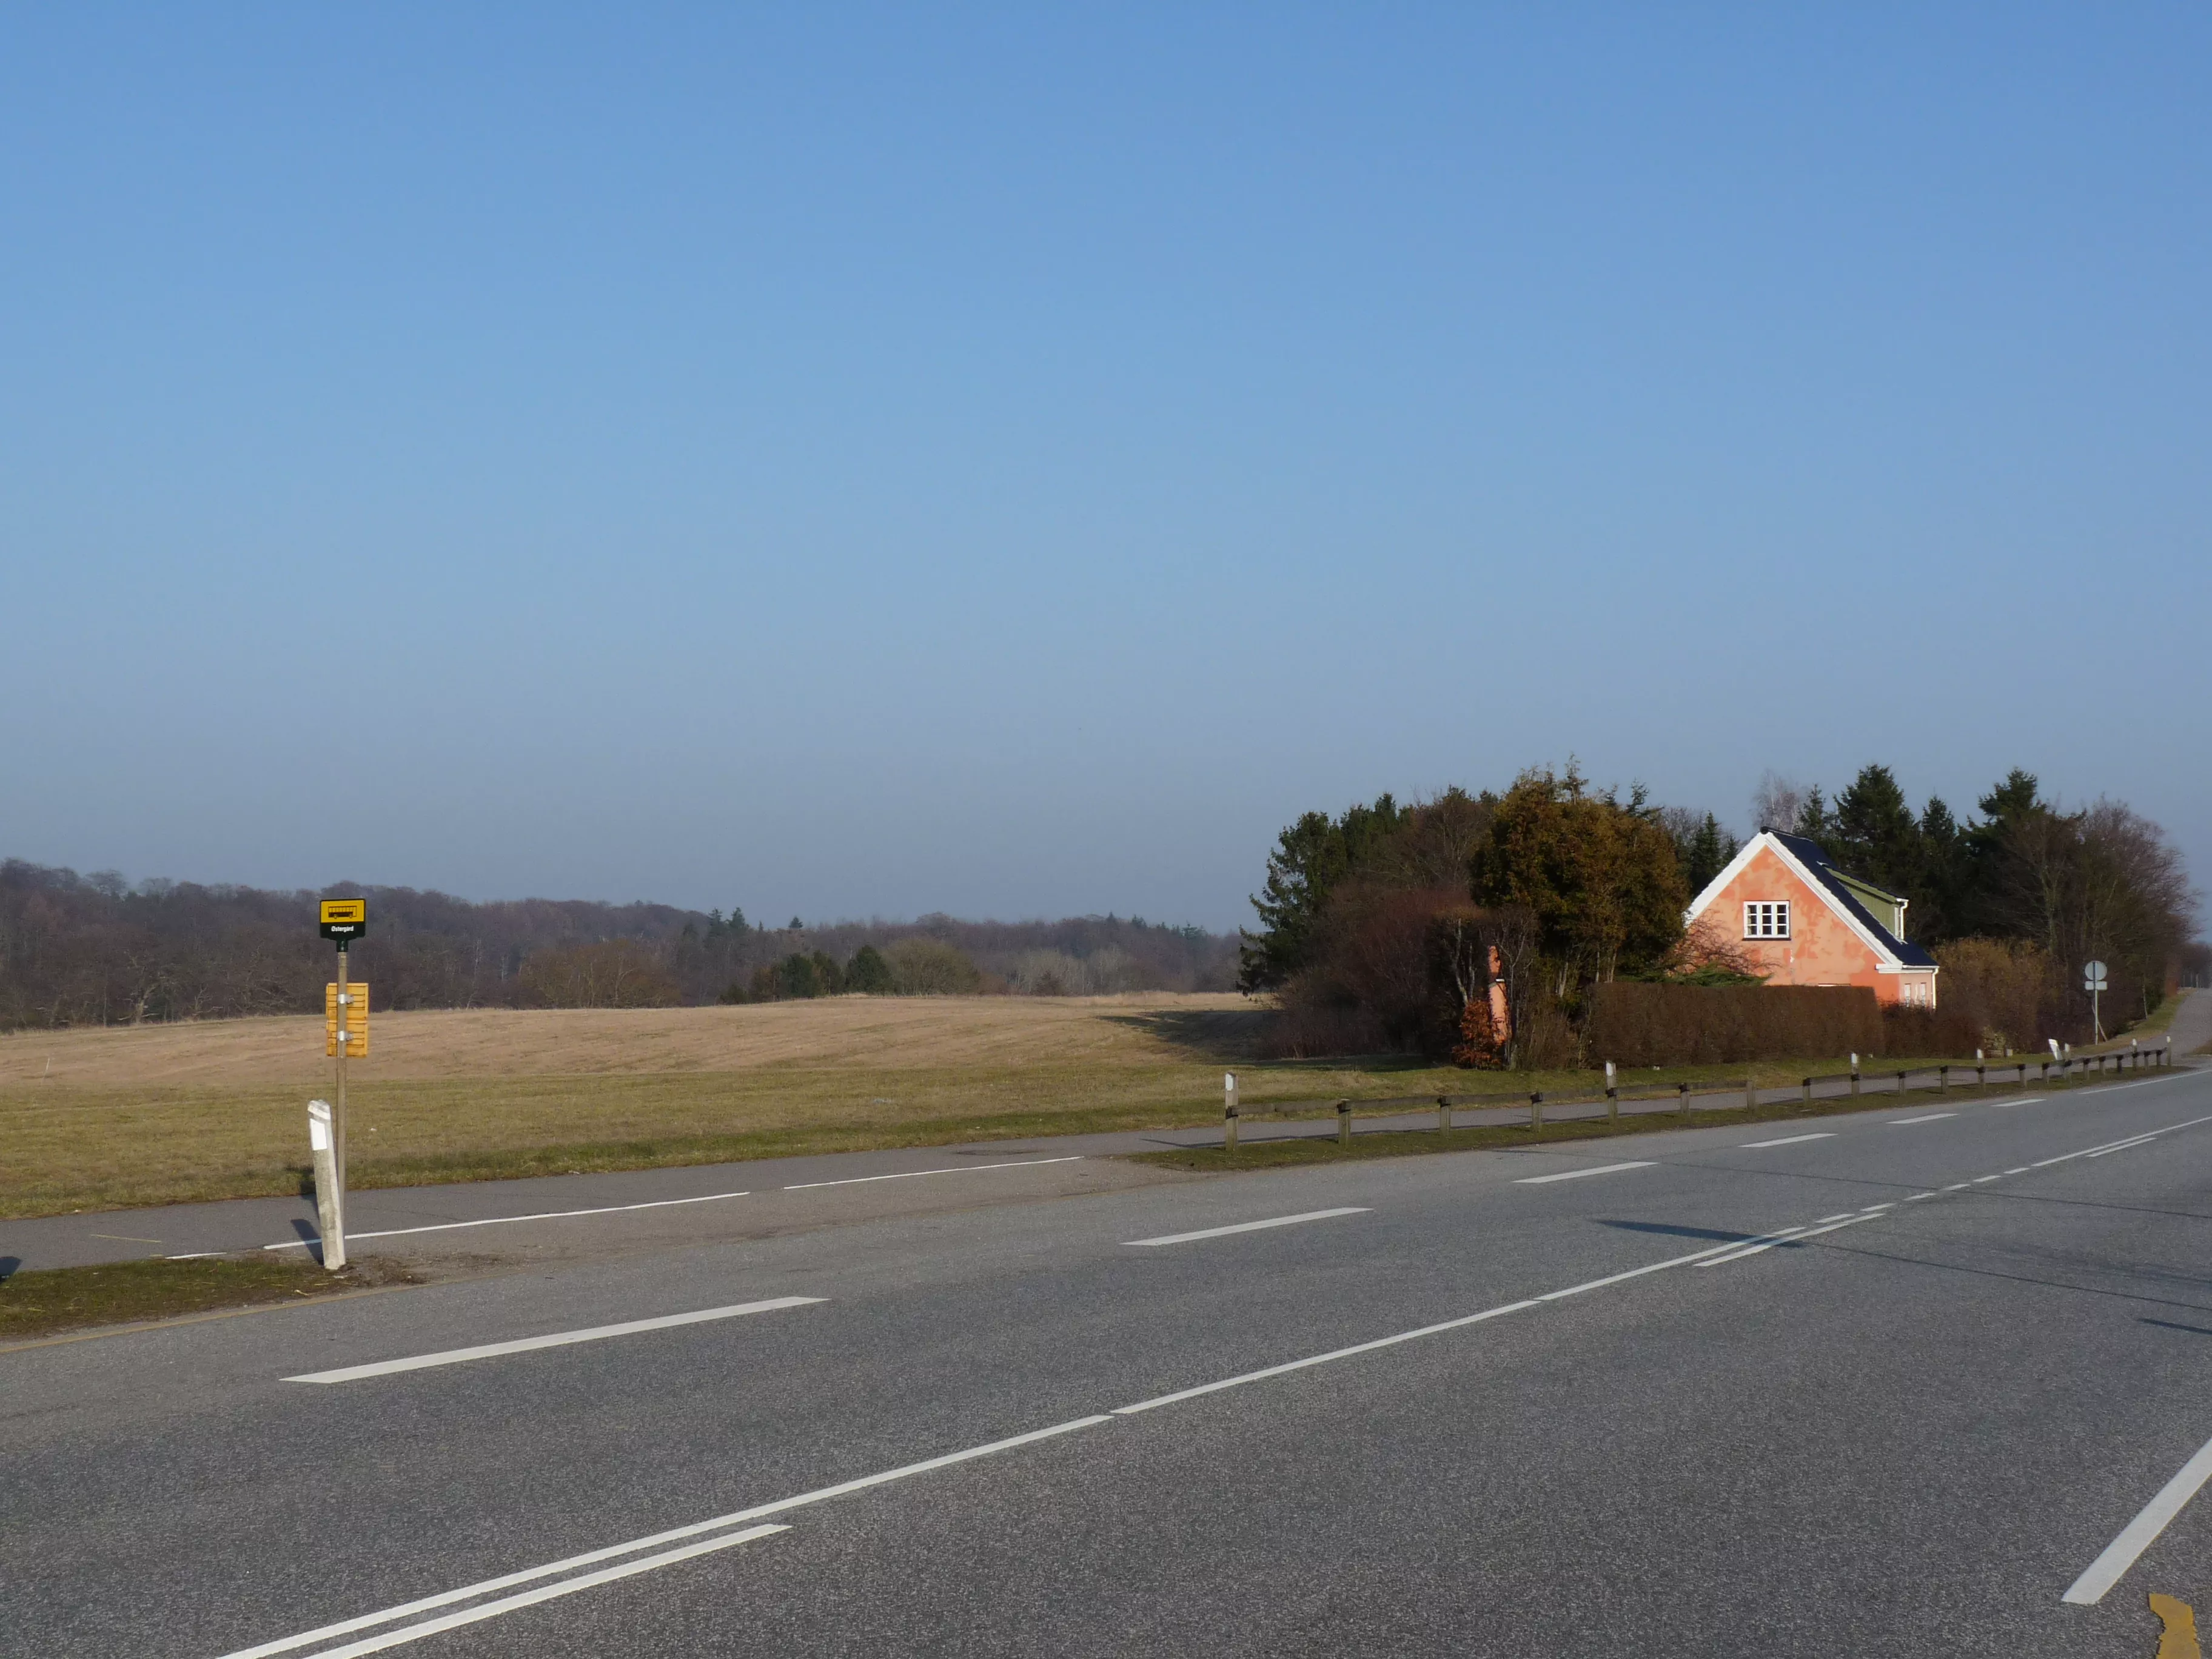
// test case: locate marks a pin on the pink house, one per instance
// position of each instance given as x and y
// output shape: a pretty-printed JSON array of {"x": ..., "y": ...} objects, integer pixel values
[{"x": 1803, "y": 922}]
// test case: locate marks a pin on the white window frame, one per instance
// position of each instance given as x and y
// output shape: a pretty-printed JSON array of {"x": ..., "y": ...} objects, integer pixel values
[{"x": 1766, "y": 919}]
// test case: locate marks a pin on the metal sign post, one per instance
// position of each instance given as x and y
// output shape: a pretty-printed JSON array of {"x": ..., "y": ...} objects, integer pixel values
[
  {"x": 2094, "y": 982},
  {"x": 345, "y": 1032}
]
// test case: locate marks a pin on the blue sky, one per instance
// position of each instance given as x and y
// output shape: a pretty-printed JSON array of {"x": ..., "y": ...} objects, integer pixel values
[{"x": 839, "y": 460}]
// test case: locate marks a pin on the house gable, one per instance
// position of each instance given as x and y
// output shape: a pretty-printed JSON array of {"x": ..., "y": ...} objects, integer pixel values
[{"x": 1832, "y": 936}]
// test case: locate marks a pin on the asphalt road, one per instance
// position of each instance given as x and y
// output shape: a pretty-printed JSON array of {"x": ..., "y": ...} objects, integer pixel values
[{"x": 1907, "y": 1429}]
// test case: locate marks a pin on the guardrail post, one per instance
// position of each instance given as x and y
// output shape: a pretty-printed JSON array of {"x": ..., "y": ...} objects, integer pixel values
[
  {"x": 1344, "y": 1123},
  {"x": 1536, "y": 1111}
]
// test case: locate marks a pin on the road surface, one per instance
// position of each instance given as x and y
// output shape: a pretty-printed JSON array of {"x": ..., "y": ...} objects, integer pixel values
[{"x": 1877, "y": 1384}]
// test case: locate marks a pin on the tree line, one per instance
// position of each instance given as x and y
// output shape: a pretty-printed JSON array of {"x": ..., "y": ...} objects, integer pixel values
[
  {"x": 1386, "y": 926},
  {"x": 96, "y": 950}
]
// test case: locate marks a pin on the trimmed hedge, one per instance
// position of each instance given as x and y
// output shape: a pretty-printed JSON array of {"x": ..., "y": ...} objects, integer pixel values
[{"x": 1635, "y": 1024}]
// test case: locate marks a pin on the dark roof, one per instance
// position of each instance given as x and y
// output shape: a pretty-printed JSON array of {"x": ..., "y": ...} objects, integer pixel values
[{"x": 1809, "y": 854}]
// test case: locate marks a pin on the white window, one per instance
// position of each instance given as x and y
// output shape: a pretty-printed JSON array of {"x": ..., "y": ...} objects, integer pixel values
[{"x": 1765, "y": 920}]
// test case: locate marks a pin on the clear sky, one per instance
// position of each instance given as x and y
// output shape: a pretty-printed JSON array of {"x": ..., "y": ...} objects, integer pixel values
[{"x": 838, "y": 460}]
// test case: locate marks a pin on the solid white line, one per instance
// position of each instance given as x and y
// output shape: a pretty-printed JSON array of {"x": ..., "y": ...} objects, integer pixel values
[
  {"x": 557, "y": 1339},
  {"x": 1928, "y": 1118},
  {"x": 543, "y": 1593},
  {"x": 1753, "y": 1247},
  {"x": 1576, "y": 1175},
  {"x": 2022, "y": 1170},
  {"x": 591, "y": 1558},
  {"x": 1246, "y": 1226},
  {"x": 498, "y": 1220},
  {"x": 1788, "y": 1140},
  {"x": 2136, "y": 1536},
  {"x": 2125, "y": 1146},
  {"x": 909, "y": 1174}
]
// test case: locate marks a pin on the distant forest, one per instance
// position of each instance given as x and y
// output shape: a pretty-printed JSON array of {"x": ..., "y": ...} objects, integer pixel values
[{"x": 97, "y": 950}]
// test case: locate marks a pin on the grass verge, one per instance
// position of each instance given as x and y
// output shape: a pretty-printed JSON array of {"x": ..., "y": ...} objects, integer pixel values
[
  {"x": 51, "y": 1300},
  {"x": 72, "y": 1147},
  {"x": 1410, "y": 1143}
]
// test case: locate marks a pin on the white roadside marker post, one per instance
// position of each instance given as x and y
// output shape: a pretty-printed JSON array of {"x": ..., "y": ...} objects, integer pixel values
[
  {"x": 327, "y": 1212},
  {"x": 1229, "y": 1111}
]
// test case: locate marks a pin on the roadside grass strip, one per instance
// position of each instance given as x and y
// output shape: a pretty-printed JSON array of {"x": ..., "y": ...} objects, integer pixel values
[
  {"x": 555, "y": 1340},
  {"x": 1245, "y": 1227},
  {"x": 576, "y": 1572}
]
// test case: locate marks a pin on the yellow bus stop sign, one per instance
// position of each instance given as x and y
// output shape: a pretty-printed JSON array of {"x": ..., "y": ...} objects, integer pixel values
[
  {"x": 355, "y": 1022},
  {"x": 344, "y": 920}
]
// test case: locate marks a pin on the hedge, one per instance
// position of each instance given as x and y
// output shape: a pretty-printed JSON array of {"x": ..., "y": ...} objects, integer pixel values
[{"x": 1635, "y": 1024}]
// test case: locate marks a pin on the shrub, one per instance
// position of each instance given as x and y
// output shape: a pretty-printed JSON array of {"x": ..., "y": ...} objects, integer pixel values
[
  {"x": 616, "y": 973},
  {"x": 929, "y": 967},
  {"x": 868, "y": 972}
]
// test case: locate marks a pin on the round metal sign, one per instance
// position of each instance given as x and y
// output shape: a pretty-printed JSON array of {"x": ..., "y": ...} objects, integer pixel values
[{"x": 2092, "y": 976}]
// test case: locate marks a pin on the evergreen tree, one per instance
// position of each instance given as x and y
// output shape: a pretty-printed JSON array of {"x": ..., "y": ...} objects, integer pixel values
[
  {"x": 868, "y": 972},
  {"x": 1875, "y": 837},
  {"x": 1310, "y": 859},
  {"x": 1707, "y": 855}
]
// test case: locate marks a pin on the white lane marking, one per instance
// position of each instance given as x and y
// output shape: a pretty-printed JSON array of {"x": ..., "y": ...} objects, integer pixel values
[
  {"x": 674, "y": 1534},
  {"x": 2022, "y": 1170},
  {"x": 1979, "y": 1180},
  {"x": 1958, "y": 1186},
  {"x": 543, "y": 1593},
  {"x": 1927, "y": 1117},
  {"x": 1245, "y": 1227},
  {"x": 1844, "y": 1216},
  {"x": 1753, "y": 1247},
  {"x": 1788, "y": 1140},
  {"x": 909, "y": 1174},
  {"x": 499, "y": 1220},
  {"x": 2136, "y": 1536},
  {"x": 556, "y": 1340},
  {"x": 1576, "y": 1175},
  {"x": 2125, "y": 1146},
  {"x": 195, "y": 1255},
  {"x": 1876, "y": 1209},
  {"x": 1914, "y": 1198}
]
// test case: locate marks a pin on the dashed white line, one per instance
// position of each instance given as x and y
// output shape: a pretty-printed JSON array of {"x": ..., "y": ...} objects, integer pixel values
[
  {"x": 1244, "y": 1227},
  {"x": 909, "y": 1174},
  {"x": 1925, "y": 1117},
  {"x": 1576, "y": 1175},
  {"x": 555, "y": 1340},
  {"x": 1786, "y": 1140}
]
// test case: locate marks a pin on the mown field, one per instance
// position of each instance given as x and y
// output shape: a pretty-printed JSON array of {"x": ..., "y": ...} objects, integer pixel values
[{"x": 102, "y": 1118}]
